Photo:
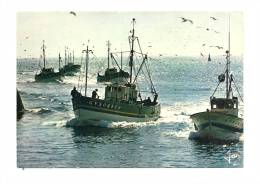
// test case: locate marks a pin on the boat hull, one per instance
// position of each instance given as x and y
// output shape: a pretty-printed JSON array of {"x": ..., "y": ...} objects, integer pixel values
[
  {"x": 91, "y": 111},
  {"x": 47, "y": 78},
  {"x": 219, "y": 126}
]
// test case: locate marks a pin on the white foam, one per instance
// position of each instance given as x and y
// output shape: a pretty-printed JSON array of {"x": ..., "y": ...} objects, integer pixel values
[
  {"x": 125, "y": 124},
  {"x": 60, "y": 123}
]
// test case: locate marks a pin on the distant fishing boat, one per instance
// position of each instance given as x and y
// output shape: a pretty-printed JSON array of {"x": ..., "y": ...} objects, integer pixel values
[
  {"x": 122, "y": 102},
  {"x": 221, "y": 122},
  {"x": 209, "y": 58},
  {"x": 47, "y": 74},
  {"x": 70, "y": 67},
  {"x": 111, "y": 74}
]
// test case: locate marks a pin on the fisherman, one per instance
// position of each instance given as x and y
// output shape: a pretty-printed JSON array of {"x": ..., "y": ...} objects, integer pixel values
[
  {"x": 94, "y": 94},
  {"x": 74, "y": 92},
  {"x": 155, "y": 98},
  {"x": 148, "y": 101}
]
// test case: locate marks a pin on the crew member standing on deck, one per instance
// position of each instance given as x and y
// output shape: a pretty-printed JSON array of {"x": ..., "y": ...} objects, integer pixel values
[{"x": 94, "y": 94}]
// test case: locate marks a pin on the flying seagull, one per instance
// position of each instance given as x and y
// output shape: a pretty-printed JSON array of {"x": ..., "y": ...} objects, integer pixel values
[
  {"x": 73, "y": 13},
  {"x": 217, "y": 47},
  {"x": 213, "y": 18},
  {"x": 201, "y": 54},
  {"x": 185, "y": 20},
  {"x": 203, "y": 44}
]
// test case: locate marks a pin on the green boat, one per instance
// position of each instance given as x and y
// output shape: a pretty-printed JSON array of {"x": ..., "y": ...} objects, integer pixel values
[
  {"x": 112, "y": 75},
  {"x": 47, "y": 74},
  {"x": 221, "y": 122},
  {"x": 70, "y": 68},
  {"x": 122, "y": 102}
]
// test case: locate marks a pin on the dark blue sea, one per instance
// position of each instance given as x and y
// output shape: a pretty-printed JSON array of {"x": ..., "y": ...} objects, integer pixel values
[{"x": 46, "y": 137}]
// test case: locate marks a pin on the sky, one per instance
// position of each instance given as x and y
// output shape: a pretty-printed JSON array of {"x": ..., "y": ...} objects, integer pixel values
[{"x": 159, "y": 32}]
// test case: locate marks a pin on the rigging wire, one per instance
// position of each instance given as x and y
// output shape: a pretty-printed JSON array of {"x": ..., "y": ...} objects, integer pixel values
[{"x": 237, "y": 89}]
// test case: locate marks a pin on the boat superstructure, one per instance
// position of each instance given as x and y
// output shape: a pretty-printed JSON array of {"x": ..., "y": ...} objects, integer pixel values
[
  {"x": 69, "y": 67},
  {"x": 122, "y": 102},
  {"x": 112, "y": 75}
]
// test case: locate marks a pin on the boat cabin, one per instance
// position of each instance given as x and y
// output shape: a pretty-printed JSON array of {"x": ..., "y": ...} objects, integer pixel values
[
  {"x": 125, "y": 92},
  {"x": 229, "y": 106}
]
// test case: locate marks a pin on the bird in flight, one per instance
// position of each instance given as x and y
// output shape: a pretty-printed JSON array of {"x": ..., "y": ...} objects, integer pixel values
[
  {"x": 203, "y": 44},
  {"x": 213, "y": 18},
  {"x": 73, "y": 13},
  {"x": 185, "y": 20},
  {"x": 219, "y": 47},
  {"x": 201, "y": 54}
]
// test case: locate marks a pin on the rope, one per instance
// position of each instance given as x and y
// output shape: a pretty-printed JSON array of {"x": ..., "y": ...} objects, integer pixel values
[{"x": 237, "y": 89}]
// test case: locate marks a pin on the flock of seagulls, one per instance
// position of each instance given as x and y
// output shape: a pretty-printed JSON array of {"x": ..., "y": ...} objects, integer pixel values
[{"x": 185, "y": 20}]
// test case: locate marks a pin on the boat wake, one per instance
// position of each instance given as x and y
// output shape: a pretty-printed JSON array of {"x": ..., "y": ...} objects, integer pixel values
[
  {"x": 40, "y": 111},
  {"x": 60, "y": 123}
]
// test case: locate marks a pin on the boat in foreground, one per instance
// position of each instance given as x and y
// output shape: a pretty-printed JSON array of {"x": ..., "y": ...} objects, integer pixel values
[
  {"x": 221, "y": 122},
  {"x": 122, "y": 102}
]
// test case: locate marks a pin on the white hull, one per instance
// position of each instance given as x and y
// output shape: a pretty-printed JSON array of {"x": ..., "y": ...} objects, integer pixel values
[
  {"x": 212, "y": 125},
  {"x": 88, "y": 117},
  {"x": 215, "y": 133}
]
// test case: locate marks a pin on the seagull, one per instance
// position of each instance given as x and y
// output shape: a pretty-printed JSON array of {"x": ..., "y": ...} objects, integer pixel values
[
  {"x": 160, "y": 55},
  {"x": 213, "y": 18},
  {"x": 201, "y": 54},
  {"x": 219, "y": 47},
  {"x": 73, "y": 13},
  {"x": 203, "y": 44},
  {"x": 24, "y": 50},
  {"x": 149, "y": 46},
  {"x": 185, "y": 20}
]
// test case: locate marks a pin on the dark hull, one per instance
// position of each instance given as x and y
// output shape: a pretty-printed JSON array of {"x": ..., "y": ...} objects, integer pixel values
[
  {"x": 70, "y": 69},
  {"x": 45, "y": 77}
]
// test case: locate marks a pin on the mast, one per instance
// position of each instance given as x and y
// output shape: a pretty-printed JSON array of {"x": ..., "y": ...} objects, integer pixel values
[
  {"x": 87, "y": 60},
  {"x": 108, "y": 53},
  {"x": 121, "y": 59},
  {"x": 43, "y": 53},
  {"x": 65, "y": 55},
  {"x": 228, "y": 64},
  {"x": 73, "y": 56},
  {"x": 132, "y": 51},
  {"x": 86, "y": 80},
  {"x": 59, "y": 61}
]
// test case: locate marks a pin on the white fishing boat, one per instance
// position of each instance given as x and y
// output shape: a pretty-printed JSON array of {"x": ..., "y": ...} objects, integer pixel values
[
  {"x": 221, "y": 122},
  {"x": 122, "y": 102}
]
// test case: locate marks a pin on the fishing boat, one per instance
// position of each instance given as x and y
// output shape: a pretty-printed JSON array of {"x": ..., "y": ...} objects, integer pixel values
[
  {"x": 122, "y": 102},
  {"x": 112, "y": 74},
  {"x": 47, "y": 74},
  {"x": 221, "y": 122},
  {"x": 70, "y": 67},
  {"x": 209, "y": 58}
]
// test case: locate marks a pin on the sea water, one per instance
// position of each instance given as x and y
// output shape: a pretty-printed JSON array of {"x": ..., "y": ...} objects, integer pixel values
[{"x": 47, "y": 135}]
